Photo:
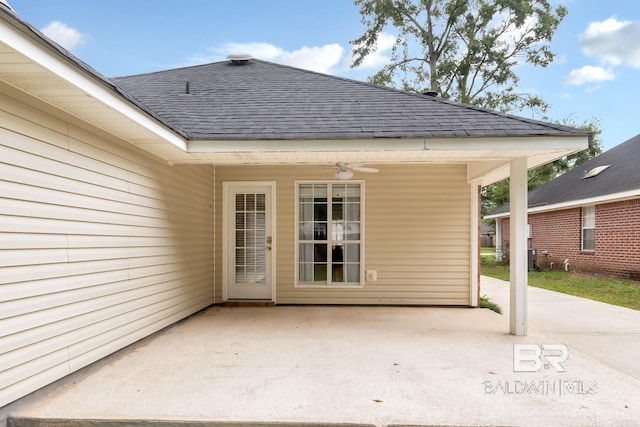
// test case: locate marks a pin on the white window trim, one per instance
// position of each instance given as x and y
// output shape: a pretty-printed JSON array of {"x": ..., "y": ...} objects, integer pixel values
[
  {"x": 582, "y": 228},
  {"x": 296, "y": 273}
]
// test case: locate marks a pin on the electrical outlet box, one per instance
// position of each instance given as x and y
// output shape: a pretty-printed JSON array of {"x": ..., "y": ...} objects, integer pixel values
[{"x": 372, "y": 275}]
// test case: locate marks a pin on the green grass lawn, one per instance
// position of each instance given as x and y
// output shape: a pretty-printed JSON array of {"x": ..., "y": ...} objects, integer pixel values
[{"x": 625, "y": 293}]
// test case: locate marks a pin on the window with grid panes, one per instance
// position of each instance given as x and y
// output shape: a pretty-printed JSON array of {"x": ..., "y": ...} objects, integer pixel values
[
  {"x": 589, "y": 228},
  {"x": 329, "y": 236}
]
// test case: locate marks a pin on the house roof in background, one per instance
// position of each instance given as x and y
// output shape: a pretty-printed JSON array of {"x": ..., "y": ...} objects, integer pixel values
[
  {"x": 622, "y": 176},
  {"x": 259, "y": 100}
]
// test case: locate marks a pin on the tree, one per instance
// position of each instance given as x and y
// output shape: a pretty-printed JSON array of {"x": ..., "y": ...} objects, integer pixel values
[
  {"x": 465, "y": 49},
  {"x": 497, "y": 194},
  {"x": 468, "y": 51}
]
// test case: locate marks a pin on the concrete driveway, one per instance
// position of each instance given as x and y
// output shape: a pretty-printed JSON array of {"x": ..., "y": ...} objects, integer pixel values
[
  {"x": 608, "y": 333},
  {"x": 353, "y": 365}
]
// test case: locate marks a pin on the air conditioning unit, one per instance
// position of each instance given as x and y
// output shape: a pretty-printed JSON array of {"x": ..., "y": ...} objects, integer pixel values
[{"x": 531, "y": 260}]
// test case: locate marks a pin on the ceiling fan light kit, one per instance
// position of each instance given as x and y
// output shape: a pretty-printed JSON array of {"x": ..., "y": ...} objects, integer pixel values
[
  {"x": 345, "y": 170},
  {"x": 346, "y": 174}
]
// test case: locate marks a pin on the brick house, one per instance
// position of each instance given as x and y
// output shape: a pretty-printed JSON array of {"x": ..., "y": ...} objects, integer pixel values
[{"x": 588, "y": 219}]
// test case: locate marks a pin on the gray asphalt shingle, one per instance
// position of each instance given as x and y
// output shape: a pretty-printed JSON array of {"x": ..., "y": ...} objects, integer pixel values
[
  {"x": 622, "y": 175},
  {"x": 267, "y": 101}
]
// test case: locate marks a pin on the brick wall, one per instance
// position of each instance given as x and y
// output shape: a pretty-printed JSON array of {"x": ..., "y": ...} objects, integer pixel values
[{"x": 556, "y": 236}]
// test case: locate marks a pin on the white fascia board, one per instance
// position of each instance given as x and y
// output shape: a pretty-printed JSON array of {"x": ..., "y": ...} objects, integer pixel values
[
  {"x": 568, "y": 144},
  {"x": 36, "y": 51},
  {"x": 497, "y": 216},
  {"x": 609, "y": 198},
  {"x": 572, "y": 143},
  {"x": 320, "y": 145}
]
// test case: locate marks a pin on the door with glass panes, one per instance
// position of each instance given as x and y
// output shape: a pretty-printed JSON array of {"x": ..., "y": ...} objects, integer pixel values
[{"x": 248, "y": 241}]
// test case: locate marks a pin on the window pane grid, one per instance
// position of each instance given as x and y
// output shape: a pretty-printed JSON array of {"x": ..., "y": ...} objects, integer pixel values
[
  {"x": 250, "y": 232},
  {"x": 588, "y": 228},
  {"x": 328, "y": 217}
]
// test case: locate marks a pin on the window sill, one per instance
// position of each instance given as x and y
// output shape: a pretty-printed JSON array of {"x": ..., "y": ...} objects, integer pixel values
[
  {"x": 312, "y": 286},
  {"x": 587, "y": 252}
]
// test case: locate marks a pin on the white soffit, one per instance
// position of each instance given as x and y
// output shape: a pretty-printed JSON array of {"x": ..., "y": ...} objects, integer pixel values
[
  {"x": 383, "y": 156},
  {"x": 507, "y": 147},
  {"x": 488, "y": 158}
]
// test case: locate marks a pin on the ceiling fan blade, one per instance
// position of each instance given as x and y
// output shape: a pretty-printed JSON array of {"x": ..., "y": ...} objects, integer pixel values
[{"x": 362, "y": 169}]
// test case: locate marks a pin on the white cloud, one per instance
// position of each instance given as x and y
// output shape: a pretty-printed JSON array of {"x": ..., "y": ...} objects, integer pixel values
[
  {"x": 64, "y": 35},
  {"x": 589, "y": 74},
  {"x": 322, "y": 59},
  {"x": 264, "y": 51},
  {"x": 613, "y": 42},
  {"x": 329, "y": 58},
  {"x": 596, "y": 29}
]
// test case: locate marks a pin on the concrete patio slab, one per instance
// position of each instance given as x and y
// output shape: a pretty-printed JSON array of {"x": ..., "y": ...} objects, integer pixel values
[{"x": 330, "y": 365}]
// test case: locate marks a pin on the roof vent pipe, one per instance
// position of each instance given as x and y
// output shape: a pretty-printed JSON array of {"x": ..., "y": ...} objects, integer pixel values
[
  {"x": 239, "y": 58},
  {"x": 430, "y": 92}
]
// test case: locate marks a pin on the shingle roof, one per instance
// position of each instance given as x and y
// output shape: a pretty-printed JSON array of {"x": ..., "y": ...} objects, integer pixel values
[
  {"x": 622, "y": 175},
  {"x": 267, "y": 101}
]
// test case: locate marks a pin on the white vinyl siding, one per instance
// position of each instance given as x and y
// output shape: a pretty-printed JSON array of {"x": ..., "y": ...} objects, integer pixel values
[
  {"x": 100, "y": 246},
  {"x": 417, "y": 237},
  {"x": 589, "y": 228}
]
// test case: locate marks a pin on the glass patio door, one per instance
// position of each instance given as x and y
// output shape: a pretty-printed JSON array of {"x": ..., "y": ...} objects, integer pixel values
[{"x": 249, "y": 242}]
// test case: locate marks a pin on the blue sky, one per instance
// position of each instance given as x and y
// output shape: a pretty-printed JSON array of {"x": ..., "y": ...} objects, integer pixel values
[{"x": 596, "y": 73}]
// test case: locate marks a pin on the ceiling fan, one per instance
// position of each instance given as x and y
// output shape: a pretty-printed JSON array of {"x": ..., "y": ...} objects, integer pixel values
[{"x": 345, "y": 170}]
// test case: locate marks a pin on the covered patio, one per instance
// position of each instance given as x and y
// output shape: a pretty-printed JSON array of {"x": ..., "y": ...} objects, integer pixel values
[
  {"x": 328, "y": 365},
  {"x": 131, "y": 203}
]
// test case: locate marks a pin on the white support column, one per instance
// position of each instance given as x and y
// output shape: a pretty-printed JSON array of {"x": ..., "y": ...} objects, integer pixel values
[
  {"x": 475, "y": 244},
  {"x": 518, "y": 247}
]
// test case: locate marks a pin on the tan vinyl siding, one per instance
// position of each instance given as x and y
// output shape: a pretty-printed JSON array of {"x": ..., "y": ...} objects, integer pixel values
[
  {"x": 100, "y": 246},
  {"x": 417, "y": 233}
]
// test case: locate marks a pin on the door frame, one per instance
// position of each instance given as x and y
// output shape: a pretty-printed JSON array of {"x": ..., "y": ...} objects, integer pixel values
[{"x": 227, "y": 186}]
